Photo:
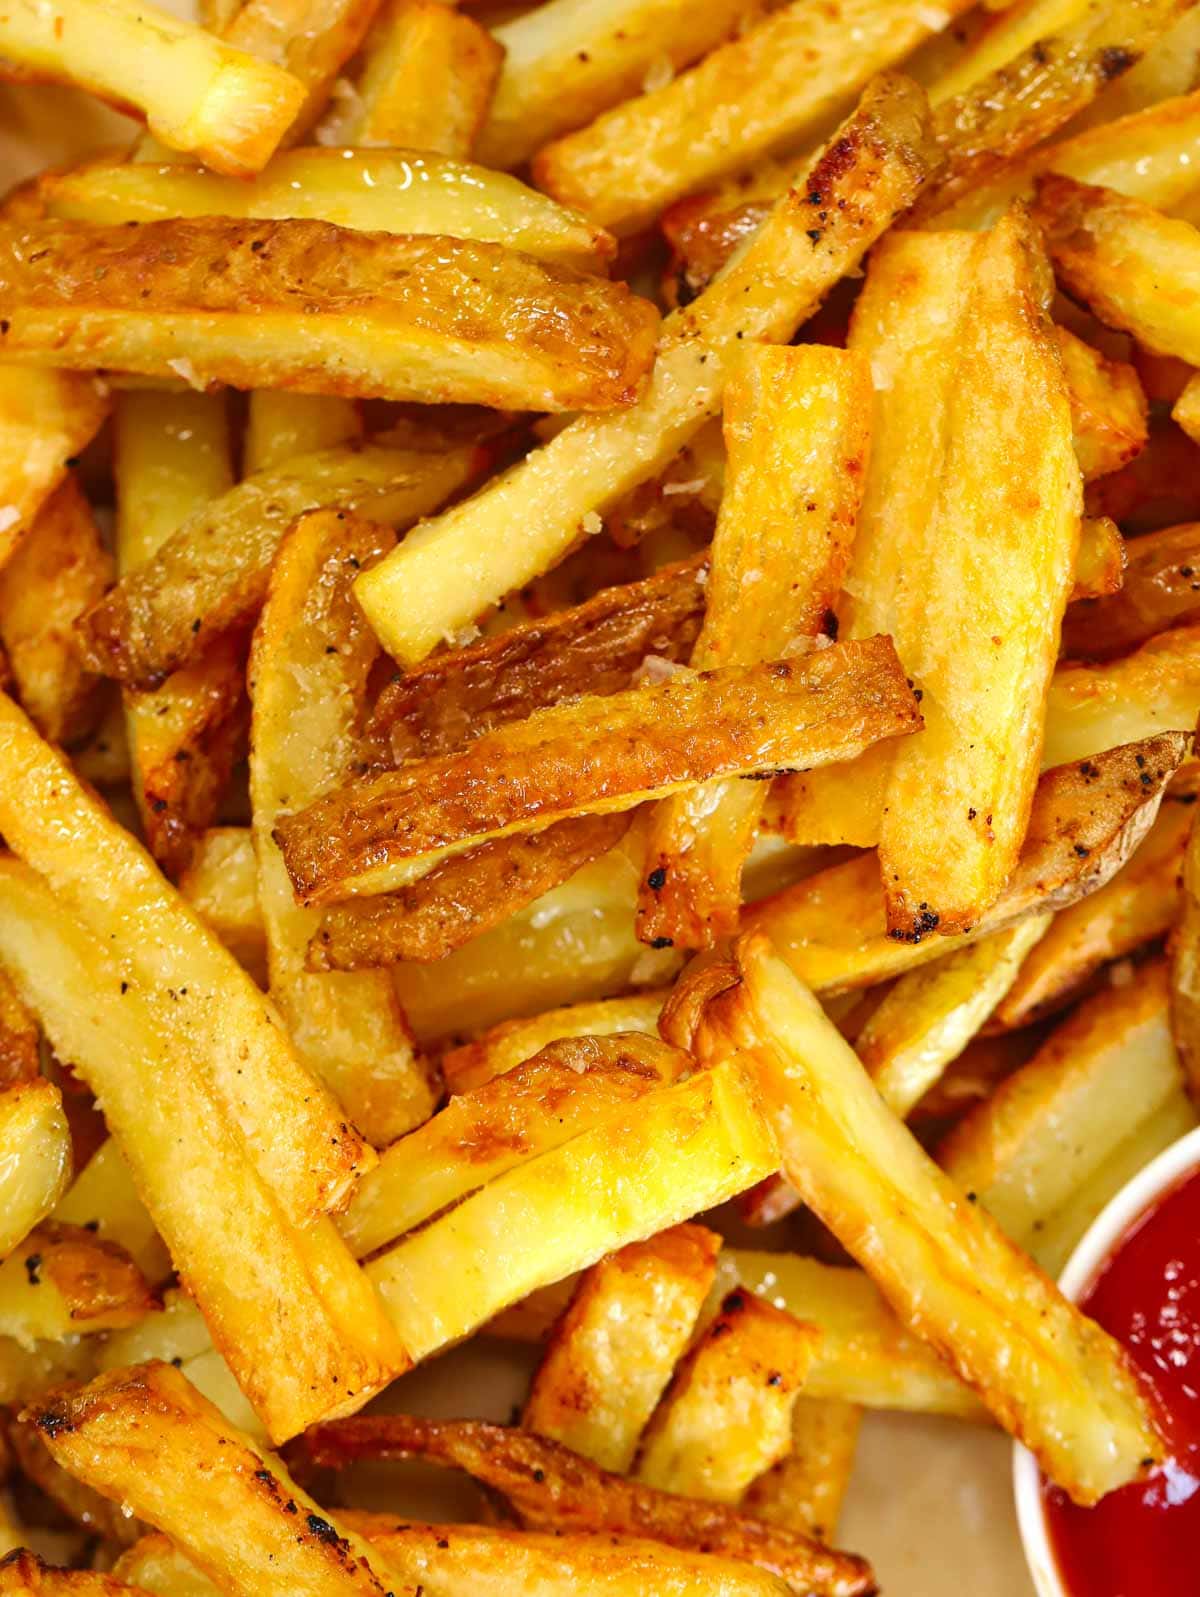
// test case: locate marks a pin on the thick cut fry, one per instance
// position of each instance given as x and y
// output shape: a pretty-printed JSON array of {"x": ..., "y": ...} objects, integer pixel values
[
  {"x": 211, "y": 575},
  {"x": 550, "y": 1488},
  {"x": 60, "y": 570},
  {"x": 309, "y": 666},
  {"x": 295, "y": 1133},
  {"x": 103, "y": 1199},
  {"x": 1108, "y": 407},
  {"x": 62, "y": 1281},
  {"x": 727, "y": 1414},
  {"x": 514, "y": 1041},
  {"x": 565, "y": 63},
  {"x": 20, "y": 1040},
  {"x": 47, "y": 418},
  {"x": 1047, "y": 1128},
  {"x": 1095, "y": 707},
  {"x": 674, "y": 1152},
  {"x": 377, "y": 191},
  {"x": 24, "y": 1572},
  {"x": 280, "y": 426},
  {"x": 221, "y": 884},
  {"x": 797, "y": 432},
  {"x": 1047, "y": 1373},
  {"x": 428, "y": 81},
  {"x": 462, "y": 897},
  {"x": 379, "y": 832},
  {"x": 804, "y": 1491},
  {"x": 35, "y": 1158},
  {"x": 289, "y": 1310},
  {"x": 612, "y": 1353},
  {"x": 319, "y": 308},
  {"x": 930, "y": 1015},
  {"x": 459, "y": 564},
  {"x": 146, "y": 1438},
  {"x": 87, "y": 1508},
  {"x": 568, "y": 1088},
  {"x": 195, "y": 92},
  {"x": 1086, "y": 821},
  {"x": 1133, "y": 267},
  {"x": 777, "y": 86},
  {"x": 1139, "y": 905}
]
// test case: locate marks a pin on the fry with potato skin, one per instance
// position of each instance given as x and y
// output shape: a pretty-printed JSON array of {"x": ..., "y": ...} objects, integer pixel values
[
  {"x": 47, "y": 419},
  {"x": 1161, "y": 590},
  {"x": 35, "y": 1157},
  {"x": 62, "y": 1281},
  {"x": 1092, "y": 708},
  {"x": 322, "y": 309}
]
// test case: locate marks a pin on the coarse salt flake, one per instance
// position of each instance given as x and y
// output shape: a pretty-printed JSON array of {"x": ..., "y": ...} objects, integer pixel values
[
  {"x": 184, "y": 368},
  {"x": 9, "y": 516}
]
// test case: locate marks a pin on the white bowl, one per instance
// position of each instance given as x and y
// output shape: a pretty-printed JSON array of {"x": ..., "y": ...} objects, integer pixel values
[{"x": 1098, "y": 1242}]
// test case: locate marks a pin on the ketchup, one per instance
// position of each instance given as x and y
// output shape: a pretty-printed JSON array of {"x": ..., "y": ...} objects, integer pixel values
[{"x": 1144, "y": 1540}]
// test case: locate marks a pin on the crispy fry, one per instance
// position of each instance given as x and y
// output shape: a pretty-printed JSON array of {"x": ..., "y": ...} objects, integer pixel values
[
  {"x": 673, "y": 1152},
  {"x": 378, "y": 191},
  {"x": 20, "y": 1040},
  {"x": 568, "y": 1088},
  {"x": 514, "y": 1041},
  {"x": 195, "y": 92},
  {"x": 550, "y": 1488},
  {"x": 1100, "y": 561},
  {"x": 459, "y": 564},
  {"x": 80, "y": 1503},
  {"x": 804, "y": 1491},
  {"x": 221, "y": 884},
  {"x": 35, "y": 1158},
  {"x": 103, "y": 1200},
  {"x": 281, "y": 425},
  {"x": 611, "y": 1355},
  {"x": 1108, "y": 407},
  {"x": 311, "y": 658},
  {"x": 1086, "y": 820},
  {"x": 1047, "y": 1373},
  {"x": 312, "y": 39},
  {"x": 61, "y": 1281},
  {"x": 1095, "y": 707},
  {"x": 727, "y": 1414},
  {"x": 213, "y": 571},
  {"x": 461, "y": 898},
  {"x": 24, "y": 1572},
  {"x": 46, "y": 420},
  {"x": 1185, "y": 968},
  {"x": 797, "y": 433}
]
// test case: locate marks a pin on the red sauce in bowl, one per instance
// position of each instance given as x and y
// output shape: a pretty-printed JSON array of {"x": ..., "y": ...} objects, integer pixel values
[{"x": 1144, "y": 1540}]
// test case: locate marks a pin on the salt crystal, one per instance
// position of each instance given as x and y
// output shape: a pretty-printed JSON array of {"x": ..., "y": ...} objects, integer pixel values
[
  {"x": 592, "y": 523},
  {"x": 185, "y": 369},
  {"x": 9, "y": 516},
  {"x": 658, "y": 74}
]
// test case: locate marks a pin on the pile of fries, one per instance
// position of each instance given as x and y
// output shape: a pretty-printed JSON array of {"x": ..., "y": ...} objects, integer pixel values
[{"x": 600, "y": 622}]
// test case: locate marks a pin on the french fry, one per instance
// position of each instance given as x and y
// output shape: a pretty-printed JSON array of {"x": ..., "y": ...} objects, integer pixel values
[
  {"x": 1096, "y": 707},
  {"x": 35, "y": 1158},
  {"x": 776, "y": 87},
  {"x": 462, "y": 897},
  {"x": 20, "y": 1040},
  {"x": 427, "y": 83},
  {"x": 564, "y": 65},
  {"x": 433, "y": 320},
  {"x": 46, "y": 420},
  {"x": 1139, "y": 905},
  {"x": 1059, "y": 1381},
  {"x": 1100, "y": 560},
  {"x": 221, "y": 884},
  {"x": 24, "y": 1572},
  {"x": 310, "y": 661},
  {"x": 373, "y": 190},
  {"x": 727, "y": 1414},
  {"x": 195, "y": 92},
  {"x": 1185, "y": 968},
  {"x": 61, "y": 1281},
  {"x": 797, "y": 433},
  {"x": 1133, "y": 267},
  {"x": 56, "y": 573},
  {"x": 804, "y": 1491},
  {"x": 199, "y": 999},
  {"x": 281, "y": 425},
  {"x": 675, "y": 1151},
  {"x": 550, "y": 1488},
  {"x": 213, "y": 570},
  {"x": 511, "y": 1043},
  {"x": 1108, "y": 407},
  {"x": 611, "y": 1355},
  {"x": 1047, "y": 1129},
  {"x": 873, "y": 171},
  {"x": 1087, "y": 819},
  {"x": 931, "y": 1013},
  {"x": 103, "y": 1200},
  {"x": 289, "y": 1310},
  {"x": 312, "y": 39},
  {"x": 569, "y": 1087},
  {"x": 80, "y": 1503}
]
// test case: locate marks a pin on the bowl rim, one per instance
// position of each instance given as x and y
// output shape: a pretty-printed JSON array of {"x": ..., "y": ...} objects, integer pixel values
[{"x": 1094, "y": 1247}]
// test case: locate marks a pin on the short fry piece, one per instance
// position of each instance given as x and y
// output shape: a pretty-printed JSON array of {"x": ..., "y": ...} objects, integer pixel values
[
  {"x": 612, "y": 1354},
  {"x": 47, "y": 419},
  {"x": 309, "y": 665},
  {"x": 380, "y": 315},
  {"x": 62, "y": 1281},
  {"x": 804, "y": 1491},
  {"x": 195, "y": 92},
  {"x": 35, "y": 1158},
  {"x": 727, "y": 1414},
  {"x": 1108, "y": 406},
  {"x": 1049, "y": 1374},
  {"x": 514, "y": 1041},
  {"x": 1100, "y": 561}
]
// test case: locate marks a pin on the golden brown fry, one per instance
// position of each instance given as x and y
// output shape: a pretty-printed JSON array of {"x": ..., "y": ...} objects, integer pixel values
[
  {"x": 20, "y": 1040},
  {"x": 62, "y": 1281},
  {"x": 318, "y": 308},
  {"x": 103, "y": 1200},
  {"x": 35, "y": 1157},
  {"x": 46, "y": 420},
  {"x": 804, "y": 1491},
  {"x": 1157, "y": 489},
  {"x": 1086, "y": 821},
  {"x": 195, "y": 92},
  {"x": 1095, "y": 707},
  {"x": 459, "y": 564},
  {"x": 24, "y": 1572},
  {"x": 1100, "y": 560},
  {"x": 1049, "y": 1374},
  {"x": 221, "y": 884},
  {"x": 60, "y": 570},
  {"x": 461, "y": 898},
  {"x": 611, "y": 1355},
  {"x": 727, "y": 1414},
  {"x": 569, "y": 1087},
  {"x": 1186, "y": 409},
  {"x": 1108, "y": 407},
  {"x": 797, "y": 433},
  {"x": 309, "y": 665},
  {"x": 1185, "y": 968},
  {"x": 281, "y": 425},
  {"x": 79, "y": 1502},
  {"x": 379, "y": 832},
  {"x": 514, "y": 1041},
  {"x": 211, "y": 574},
  {"x": 550, "y": 1488},
  {"x": 312, "y": 39}
]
